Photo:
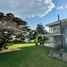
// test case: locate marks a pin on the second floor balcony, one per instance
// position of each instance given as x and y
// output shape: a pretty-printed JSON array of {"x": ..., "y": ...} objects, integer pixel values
[{"x": 54, "y": 31}]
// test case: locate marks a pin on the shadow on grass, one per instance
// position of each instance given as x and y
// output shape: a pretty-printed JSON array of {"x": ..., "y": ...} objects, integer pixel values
[
  {"x": 14, "y": 58},
  {"x": 34, "y": 56},
  {"x": 23, "y": 53}
]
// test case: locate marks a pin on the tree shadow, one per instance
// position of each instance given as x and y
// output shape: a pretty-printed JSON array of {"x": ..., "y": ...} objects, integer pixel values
[
  {"x": 14, "y": 58},
  {"x": 22, "y": 56}
]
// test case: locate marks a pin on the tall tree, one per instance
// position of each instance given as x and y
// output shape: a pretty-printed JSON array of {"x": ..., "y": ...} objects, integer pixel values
[
  {"x": 41, "y": 29},
  {"x": 13, "y": 24}
]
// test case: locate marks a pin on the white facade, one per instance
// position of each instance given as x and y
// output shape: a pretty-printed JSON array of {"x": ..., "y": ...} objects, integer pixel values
[{"x": 55, "y": 36}]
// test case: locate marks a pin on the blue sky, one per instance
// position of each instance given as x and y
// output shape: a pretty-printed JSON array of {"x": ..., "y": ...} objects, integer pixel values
[{"x": 35, "y": 11}]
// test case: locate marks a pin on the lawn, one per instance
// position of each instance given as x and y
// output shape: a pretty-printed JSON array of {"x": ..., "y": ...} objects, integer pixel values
[{"x": 29, "y": 55}]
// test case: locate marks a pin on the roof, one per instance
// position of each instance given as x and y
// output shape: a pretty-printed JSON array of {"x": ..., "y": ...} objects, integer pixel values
[
  {"x": 56, "y": 22},
  {"x": 53, "y": 24}
]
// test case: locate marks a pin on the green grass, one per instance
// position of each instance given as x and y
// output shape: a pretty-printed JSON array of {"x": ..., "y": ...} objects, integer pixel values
[
  {"x": 15, "y": 46},
  {"x": 29, "y": 56}
]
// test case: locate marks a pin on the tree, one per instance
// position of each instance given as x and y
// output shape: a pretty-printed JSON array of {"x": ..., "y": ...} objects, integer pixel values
[
  {"x": 32, "y": 34},
  {"x": 10, "y": 15},
  {"x": 41, "y": 29},
  {"x": 13, "y": 26},
  {"x": 1, "y": 15},
  {"x": 4, "y": 38},
  {"x": 19, "y": 21}
]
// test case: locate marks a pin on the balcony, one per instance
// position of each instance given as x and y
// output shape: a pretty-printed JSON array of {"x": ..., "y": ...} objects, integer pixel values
[{"x": 54, "y": 30}]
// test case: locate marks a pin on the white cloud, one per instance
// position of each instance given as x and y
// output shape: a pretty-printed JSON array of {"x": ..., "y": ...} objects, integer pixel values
[
  {"x": 47, "y": 28},
  {"x": 62, "y": 7},
  {"x": 65, "y": 6},
  {"x": 31, "y": 8}
]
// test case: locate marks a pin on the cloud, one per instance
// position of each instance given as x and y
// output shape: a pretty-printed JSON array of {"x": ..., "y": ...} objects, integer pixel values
[
  {"x": 62, "y": 7},
  {"x": 29, "y": 8},
  {"x": 47, "y": 28}
]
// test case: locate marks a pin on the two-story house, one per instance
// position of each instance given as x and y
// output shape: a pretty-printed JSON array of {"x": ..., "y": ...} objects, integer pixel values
[{"x": 55, "y": 32}]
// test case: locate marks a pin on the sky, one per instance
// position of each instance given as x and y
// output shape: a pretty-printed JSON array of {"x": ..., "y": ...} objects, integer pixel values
[{"x": 35, "y": 11}]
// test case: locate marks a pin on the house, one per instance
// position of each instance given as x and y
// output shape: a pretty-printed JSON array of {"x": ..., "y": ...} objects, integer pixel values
[{"x": 58, "y": 32}]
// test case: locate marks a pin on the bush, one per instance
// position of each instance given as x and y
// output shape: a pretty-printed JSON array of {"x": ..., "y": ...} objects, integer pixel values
[{"x": 18, "y": 41}]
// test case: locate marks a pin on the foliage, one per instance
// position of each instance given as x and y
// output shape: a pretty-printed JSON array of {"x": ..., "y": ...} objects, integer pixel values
[
  {"x": 10, "y": 15},
  {"x": 32, "y": 34},
  {"x": 19, "y": 21},
  {"x": 19, "y": 39},
  {"x": 1, "y": 14},
  {"x": 41, "y": 29},
  {"x": 4, "y": 38},
  {"x": 13, "y": 26}
]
